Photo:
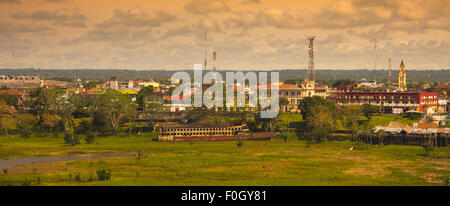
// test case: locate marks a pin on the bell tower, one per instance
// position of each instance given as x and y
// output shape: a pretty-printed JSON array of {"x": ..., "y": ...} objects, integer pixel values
[{"x": 402, "y": 77}]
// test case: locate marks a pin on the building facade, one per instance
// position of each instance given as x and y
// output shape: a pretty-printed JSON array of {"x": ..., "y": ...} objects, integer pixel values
[
  {"x": 20, "y": 82},
  {"x": 389, "y": 101},
  {"x": 295, "y": 93}
]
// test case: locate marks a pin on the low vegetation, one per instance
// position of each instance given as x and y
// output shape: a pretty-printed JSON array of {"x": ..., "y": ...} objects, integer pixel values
[{"x": 275, "y": 162}]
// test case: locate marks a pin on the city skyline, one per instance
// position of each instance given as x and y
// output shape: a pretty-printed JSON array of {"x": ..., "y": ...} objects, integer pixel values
[{"x": 247, "y": 34}]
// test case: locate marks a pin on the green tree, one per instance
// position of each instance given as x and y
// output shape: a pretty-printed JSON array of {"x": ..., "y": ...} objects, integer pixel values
[
  {"x": 10, "y": 100},
  {"x": 342, "y": 82},
  {"x": 140, "y": 96},
  {"x": 26, "y": 121},
  {"x": 116, "y": 107},
  {"x": 351, "y": 115},
  {"x": 320, "y": 117},
  {"x": 308, "y": 102},
  {"x": 7, "y": 123},
  {"x": 90, "y": 84},
  {"x": 368, "y": 110},
  {"x": 50, "y": 120}
]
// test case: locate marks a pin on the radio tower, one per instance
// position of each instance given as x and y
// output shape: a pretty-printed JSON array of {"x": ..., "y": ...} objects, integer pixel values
[
  {"x": 206, "y": 63},
  {"x": 375, "y": 61},
  {"x": 214, "y": 65},
  {"x": 311, "y": 74}
]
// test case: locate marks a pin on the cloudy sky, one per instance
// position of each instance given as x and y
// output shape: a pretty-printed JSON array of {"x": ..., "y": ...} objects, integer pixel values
[{"x": 247, "y": 34}]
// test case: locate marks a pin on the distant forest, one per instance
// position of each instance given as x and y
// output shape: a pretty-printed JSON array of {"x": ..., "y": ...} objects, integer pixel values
[{"x": 322, "y": 76}]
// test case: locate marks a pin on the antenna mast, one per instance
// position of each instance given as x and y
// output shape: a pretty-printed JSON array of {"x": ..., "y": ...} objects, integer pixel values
[
  {"x": 214, "y": 65},
  {"x": 206, "y": 63},
  {"x": 311, "y": 74},
  {"x": 375, "y": 60}
]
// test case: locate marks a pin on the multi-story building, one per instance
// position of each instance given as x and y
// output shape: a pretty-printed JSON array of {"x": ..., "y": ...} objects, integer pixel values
[
  {"x": 295, "y": 93},
  {"x": 442, "y": 105},
  {"x": 20, "y": 82},
  {"x": 388, "y": 101}
]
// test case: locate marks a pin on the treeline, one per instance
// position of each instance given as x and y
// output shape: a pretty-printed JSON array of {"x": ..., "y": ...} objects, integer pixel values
[
  {"x": 322, "y": 117},
  {"x": 60, "y": 113},
  {"x": 323, "y": 76}
]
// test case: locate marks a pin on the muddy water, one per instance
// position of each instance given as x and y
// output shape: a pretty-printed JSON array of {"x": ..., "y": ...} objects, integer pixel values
[{"x": 8, "y": 163}]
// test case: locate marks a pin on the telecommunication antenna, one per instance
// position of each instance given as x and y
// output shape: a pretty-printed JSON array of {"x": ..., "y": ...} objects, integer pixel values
[
  {"x": 375, "y": 60},
  {"x": 214, "y": 65},
  {"x": 311, "y": 74},
  {"x": 205, "y": 62}
]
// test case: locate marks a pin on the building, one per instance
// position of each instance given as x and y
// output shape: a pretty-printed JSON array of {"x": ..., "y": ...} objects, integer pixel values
[
  {"x": 20, "y": 82},
  {"x": 295, "y": 93},
  {"x": 150, "y": 83},
  {"x": 366, "y": 83},
  {"x": 129, "y": 92},
  {"x": 53, "y": 84},
  {"x": 442, "y": 105},
  {"x": 217, "y": 132},
  {"x": 126, "y": 85},
  {"x": 115, "y": 84},
  {"x": 388, "y": 101},
  {"x": 172, "y": 106}
]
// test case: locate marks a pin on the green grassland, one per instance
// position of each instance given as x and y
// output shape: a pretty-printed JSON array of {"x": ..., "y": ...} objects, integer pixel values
[{"x": 273, "y": 162}]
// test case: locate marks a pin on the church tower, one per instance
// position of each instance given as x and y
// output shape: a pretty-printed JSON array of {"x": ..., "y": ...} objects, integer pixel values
[{"x": 402, "y": 77}]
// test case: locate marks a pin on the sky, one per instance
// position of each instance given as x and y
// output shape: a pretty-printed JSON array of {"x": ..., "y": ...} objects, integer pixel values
[{"x": 246, "y": 34}]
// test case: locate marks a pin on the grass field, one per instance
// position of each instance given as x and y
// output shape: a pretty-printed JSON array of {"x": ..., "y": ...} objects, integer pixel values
[{"x": 224, "y": 163}]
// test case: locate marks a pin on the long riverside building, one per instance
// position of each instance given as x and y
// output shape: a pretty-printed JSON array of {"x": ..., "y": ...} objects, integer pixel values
[{"x": 186, "y": 132}]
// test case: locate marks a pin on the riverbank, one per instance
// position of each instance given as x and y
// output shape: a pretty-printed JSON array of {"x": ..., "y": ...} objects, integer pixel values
[{"x": 272, "y": 162}]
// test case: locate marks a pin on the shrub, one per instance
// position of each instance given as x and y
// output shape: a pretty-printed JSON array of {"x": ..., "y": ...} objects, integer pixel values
[
  {"x": 282, "y": 136},
  {"x": 239, "y": 144},
  {"x": 428, "y": 148},
  {"x": 318, "y": 135},
  {"x": 78, "y": 178},
  {"x": 84, "y": 126},
  {"x": 26, "y": 182},
  {"x": 72, "y": 139},
  {"x": 139, "y": 155},
  {"x": 104, "y": 174},
  {"x": 38, "y": 180},
  {"x": 25, "y": 134},
  {"x": 361, "y": 146},
  {"x": 90, "y": 137},
  {"x": 5, "y": 171}
]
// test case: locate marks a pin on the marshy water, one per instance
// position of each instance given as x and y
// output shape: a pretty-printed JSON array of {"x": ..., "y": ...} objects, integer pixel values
[{"x": 11, "y": 162}]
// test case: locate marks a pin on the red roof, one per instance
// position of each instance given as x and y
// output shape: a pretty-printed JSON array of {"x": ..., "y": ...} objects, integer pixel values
[
  {"x": 288, "y": 86},
  {"x": 11, "y": 92},
  {"x": 443, "y": 86},
  {"x": 176, "y": 98}
]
